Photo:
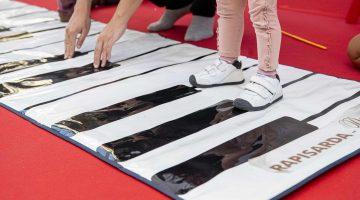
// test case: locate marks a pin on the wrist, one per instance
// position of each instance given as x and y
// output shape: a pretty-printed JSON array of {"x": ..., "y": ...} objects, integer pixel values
[
  {"x": 119, "y": 21},
  {"x": 83, "y": 7}
]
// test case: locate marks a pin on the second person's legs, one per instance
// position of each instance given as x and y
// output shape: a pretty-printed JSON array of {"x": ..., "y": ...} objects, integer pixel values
[
  {"x": 171, "y": 4},
  {"x": 202, "y": 24},
  {"x": 175, "y": 9}
]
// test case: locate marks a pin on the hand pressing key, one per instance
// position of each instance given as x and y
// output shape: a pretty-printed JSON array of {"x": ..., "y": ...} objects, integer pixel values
[
  {"x": 114, "y": 30},
  {"x": 79, "y": 24},
  {"x": 106, "y": 40}
]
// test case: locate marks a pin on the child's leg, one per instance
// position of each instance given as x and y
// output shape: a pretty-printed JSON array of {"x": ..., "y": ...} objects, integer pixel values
[
  {"x": 175, "y": 9},
  {"x": 202, "y": 24},
  {"x": 231, "y": 28},
  {"x": 263, "y": 14},
  {"x": 264, "y": 88},
  {"x": 226, "y": 70}
]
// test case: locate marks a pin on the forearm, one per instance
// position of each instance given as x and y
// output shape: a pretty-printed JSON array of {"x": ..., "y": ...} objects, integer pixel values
[
  {"x": 125, "y": 10},
  {"x": 82, "y": 6}
]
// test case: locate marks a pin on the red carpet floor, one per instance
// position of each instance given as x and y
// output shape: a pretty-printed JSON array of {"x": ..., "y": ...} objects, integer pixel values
[{"x": 34, "y": 164}]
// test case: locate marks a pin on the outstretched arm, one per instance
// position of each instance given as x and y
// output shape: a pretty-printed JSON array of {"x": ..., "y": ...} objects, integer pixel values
[
  {"x": 79, "y": 24},
  {"x": 114, "y": 30}
]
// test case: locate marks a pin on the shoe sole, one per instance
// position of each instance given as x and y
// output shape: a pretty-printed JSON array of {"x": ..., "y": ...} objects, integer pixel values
[
  {"x": 245, "y": 105},
  {"x": 193, "y": 82}
]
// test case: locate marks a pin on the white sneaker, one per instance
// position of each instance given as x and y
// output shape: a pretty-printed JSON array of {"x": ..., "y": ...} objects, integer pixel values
[
  {"x": 218, "y": 74},
  {"x": 261, "y": 92}
]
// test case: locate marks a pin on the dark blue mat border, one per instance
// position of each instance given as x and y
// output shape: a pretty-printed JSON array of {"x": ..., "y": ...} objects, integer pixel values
[
  {"x": 151, "y": 184},
  {"x": 94, "y": 153},
  {"x": 316, "y": 174}
]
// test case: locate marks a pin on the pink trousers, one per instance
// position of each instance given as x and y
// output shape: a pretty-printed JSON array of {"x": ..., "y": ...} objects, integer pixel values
[{"x": 263, "y": 14}]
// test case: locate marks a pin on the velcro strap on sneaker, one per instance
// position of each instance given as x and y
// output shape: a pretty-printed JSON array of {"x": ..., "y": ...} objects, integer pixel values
[
  {"x": 259, "y": 90},
  {"x": 263, "y": 82}
]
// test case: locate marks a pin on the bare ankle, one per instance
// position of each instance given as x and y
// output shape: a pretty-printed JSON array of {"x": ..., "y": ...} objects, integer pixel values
[
  {"x": 272, "y": 74},
  {"x": 229, "y": 60}
]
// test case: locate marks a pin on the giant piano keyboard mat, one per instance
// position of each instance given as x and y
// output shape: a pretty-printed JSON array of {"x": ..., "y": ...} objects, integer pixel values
[{"x": 140, "y": 114}]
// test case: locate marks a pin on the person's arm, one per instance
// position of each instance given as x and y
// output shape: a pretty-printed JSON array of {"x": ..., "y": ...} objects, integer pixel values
[
  {"x": 79, "y": 24},
  {"x": 114, "y": 30}
]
